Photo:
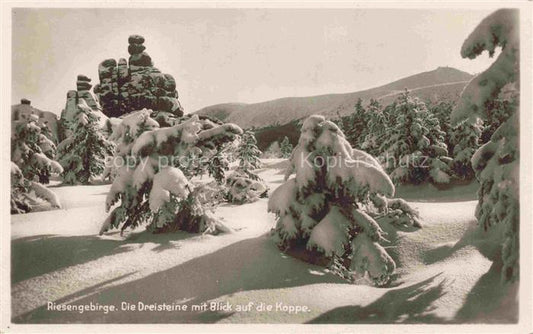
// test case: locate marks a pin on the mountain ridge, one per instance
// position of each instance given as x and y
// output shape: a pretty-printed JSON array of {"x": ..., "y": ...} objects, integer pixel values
[{"x": 443, "y": 83}]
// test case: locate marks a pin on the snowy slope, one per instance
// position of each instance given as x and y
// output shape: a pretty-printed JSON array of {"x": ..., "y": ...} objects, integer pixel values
[{"x": 444, "y": 275}]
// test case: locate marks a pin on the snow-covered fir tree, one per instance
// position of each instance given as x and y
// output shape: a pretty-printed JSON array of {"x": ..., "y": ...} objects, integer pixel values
[
  {"x": 326, "y": 206},
  {"x": 129, "y": 129},
  {"x": 243, "y": 184},
  {"x": 498, "y": 111},
  {"x": 152, "y": 189},
  {"x": 273, "y": 151},
  {"x": 217, "y": 167},
  {"x": 465, "y": 141},
  {"x": 45, "y": 130},
  {"x": 377, "y": 128},
  {"x": 32, "y": 155},
  {"x": 245, "y": 187},
  {"x": 24, "y": 192},
  {"x": 83, "y": 154},
  {"x": 248, "y": 153},
  {"x": 415, "y": 151},
  {"x": 33, "y": 151},
  {"x": 496, "y": 163},
  {"x": 19, "y": 190},
  {"x": 442, "y": 110},
  {"x": 192, "y": 166},
  {"x": 286, "y": 148},
  {"x": 437, "y": 152},
  {"x": 354, "y": 126}
]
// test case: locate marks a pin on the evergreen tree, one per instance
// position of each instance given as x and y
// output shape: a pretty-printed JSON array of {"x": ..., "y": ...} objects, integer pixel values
[
  {"x": 129, "y": 129},
  {"x": 152, "y": 188},
  {"x": 245, "y": 187},
  {"x": 388, "y": 113},
  {"x": 217, "y": 167},
  {"x": 415, "y": 151},
  {"x": 465, "y": 141},
  {"x": 33, "y": 152},
  {"x": 47, "y": 148},
  {"x": 496, "y": 163},
  {"x": 326, "y": 205},
  {"x": 24, "y": 192},
  {"x": 354, "y": 126},
  {"x": 83, "y": 154},
  {"x": 498, "y": 111},
  {"x": 212, "y": 161},
  {"x": 243, "y": 184},
  {"x": 19, "y": 190},
  {"x": 286, "y": 148},
  {"x": 193, "y": 166},
  {"x": 273, "y": 151},
  {"x": 443, "y": 111},
  {"x": 377, "y": 128},
  {"x": 32, "y": 163},
  {"x": 248, "y": 153}
]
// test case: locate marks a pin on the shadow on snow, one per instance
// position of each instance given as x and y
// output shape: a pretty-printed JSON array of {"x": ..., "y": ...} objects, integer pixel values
[
  {"x": 251, "y": 264},
  {"x": 39, "y": 255},
  {"x": 411, "y": 304}
]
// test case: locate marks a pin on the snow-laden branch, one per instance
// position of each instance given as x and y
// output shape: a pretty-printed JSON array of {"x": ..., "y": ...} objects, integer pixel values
[{"x": 499, "y": 29}]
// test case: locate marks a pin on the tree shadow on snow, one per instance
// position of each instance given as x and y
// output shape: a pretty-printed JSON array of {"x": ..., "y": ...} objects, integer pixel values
[
  {"x": 252, "y": 264},
  {"x": 93, "y": 289},
  {"x": 490, "y": 300},
  {"x": 37, "y": 255},
  {"x": 488, "y": 243},
  {"x": 412, "y": 304}
]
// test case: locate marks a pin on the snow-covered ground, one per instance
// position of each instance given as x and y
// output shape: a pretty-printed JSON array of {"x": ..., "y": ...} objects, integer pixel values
[{"x": 444, "y": 271}]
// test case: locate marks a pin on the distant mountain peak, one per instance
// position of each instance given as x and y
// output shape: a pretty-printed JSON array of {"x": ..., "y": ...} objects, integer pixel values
[{"x": 440, "y": 75}]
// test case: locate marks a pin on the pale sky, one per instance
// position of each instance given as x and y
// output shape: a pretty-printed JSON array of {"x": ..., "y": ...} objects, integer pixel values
[{"x": 239, "y": 55}]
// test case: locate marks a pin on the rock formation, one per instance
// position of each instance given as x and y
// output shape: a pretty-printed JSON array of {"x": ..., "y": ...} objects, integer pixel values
[
  {"x": 82, "y": 95},
  {"x": 136, "y": 84},
  {"x": 22, "y": 112},
  {"x": 83, "y": 88}
]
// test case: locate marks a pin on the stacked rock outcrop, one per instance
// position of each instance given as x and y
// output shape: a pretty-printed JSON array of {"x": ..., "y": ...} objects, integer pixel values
[
  {"x": 83, "y": 88},
  {"x": 135, "y": 84},
  {"x": 82, "y": 95}
]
